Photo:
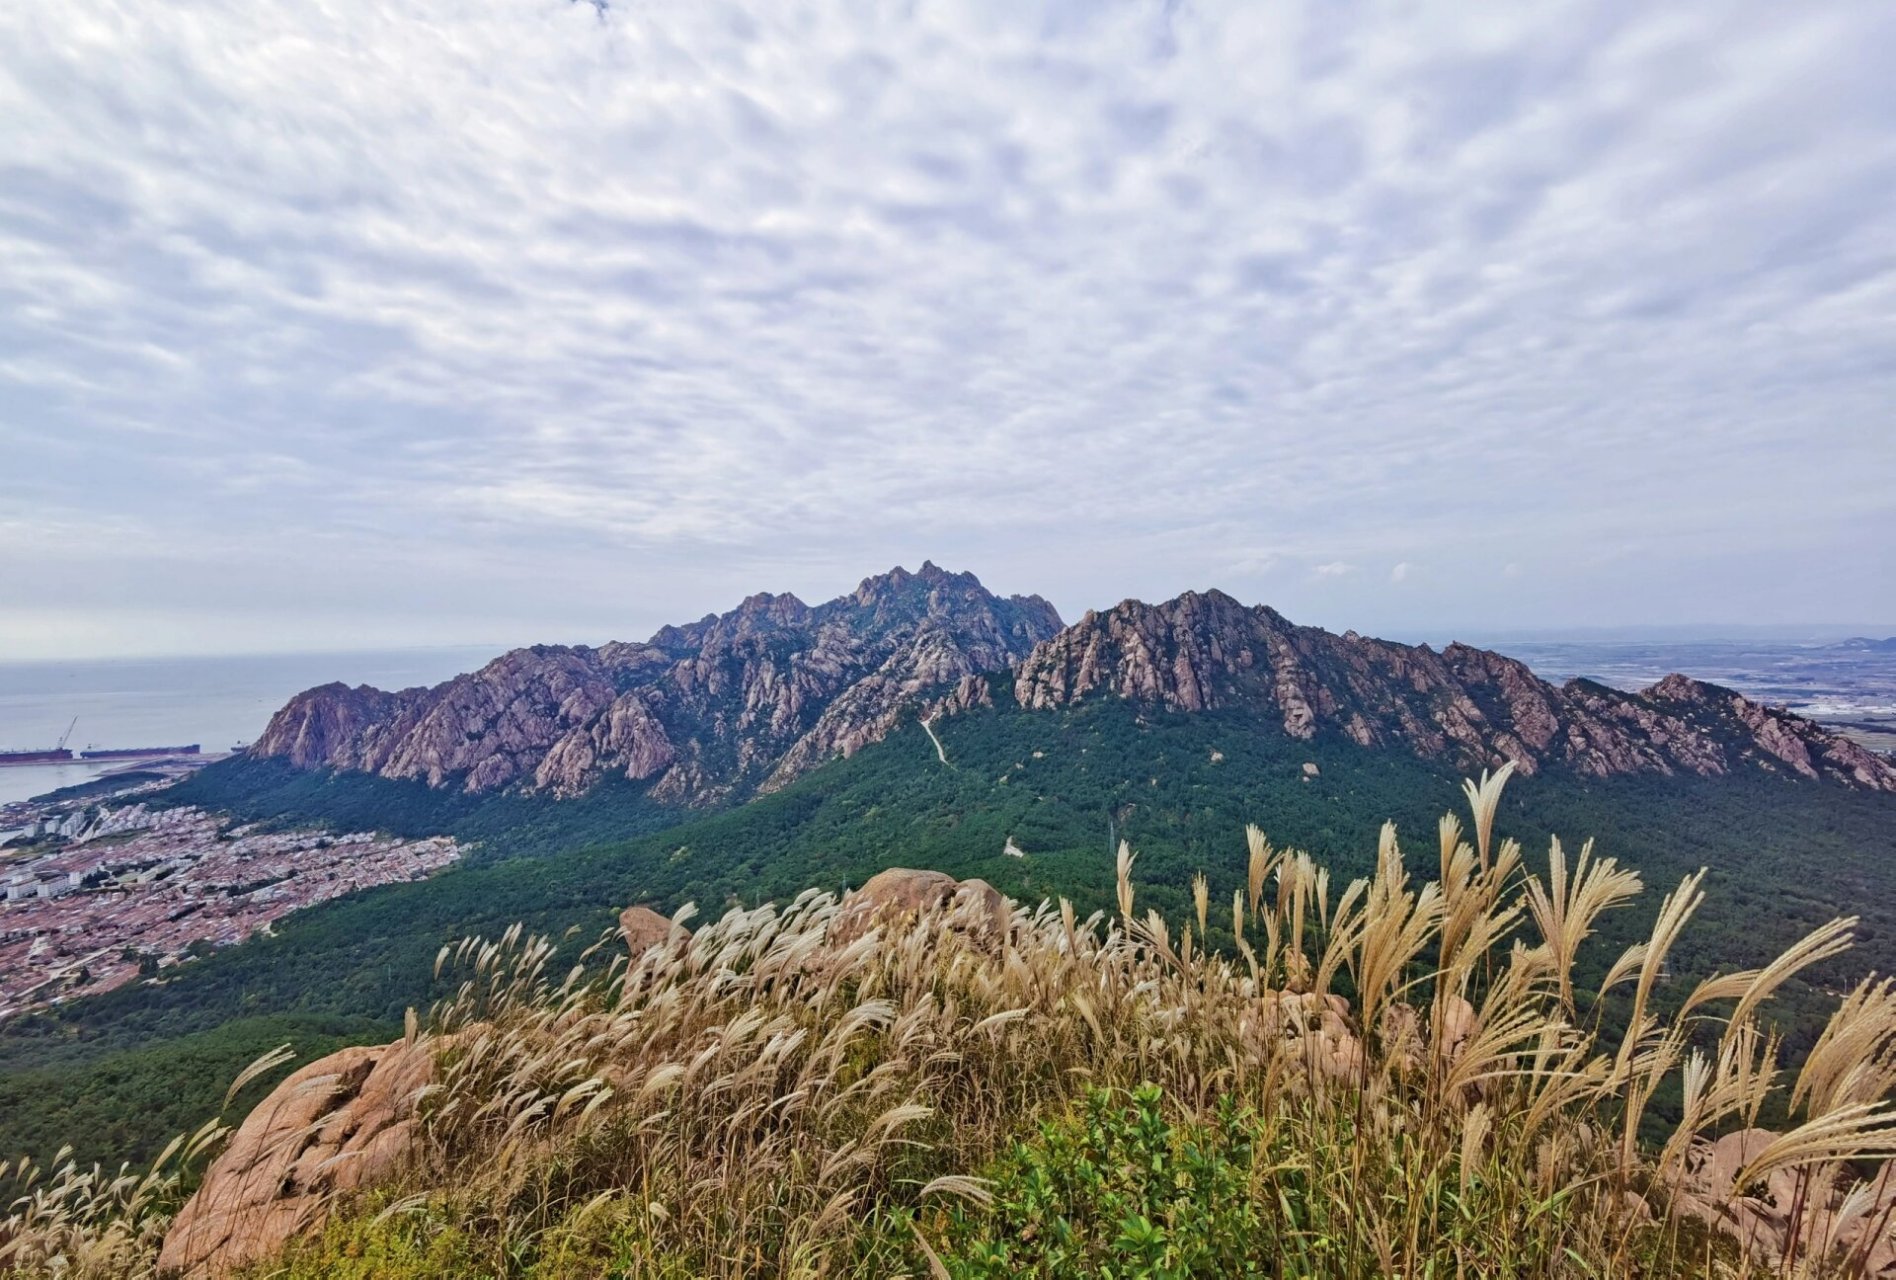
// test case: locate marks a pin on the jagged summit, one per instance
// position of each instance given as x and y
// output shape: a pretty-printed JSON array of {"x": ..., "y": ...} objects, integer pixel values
[
  {"x": 1202, "y": 651},
  {"x": 750, "y": 699},
  {"x": 893, "y": 599},
  {"x": 744, "y": 699}
]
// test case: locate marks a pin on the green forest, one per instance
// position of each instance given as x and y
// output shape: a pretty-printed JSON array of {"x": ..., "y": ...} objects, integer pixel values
[{"x": 116, "y": 1075}]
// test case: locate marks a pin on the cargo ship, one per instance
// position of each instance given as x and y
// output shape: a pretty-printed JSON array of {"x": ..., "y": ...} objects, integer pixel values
[
  {"x": 138, "y": 753},
  {"x": 52, "y": 755}
]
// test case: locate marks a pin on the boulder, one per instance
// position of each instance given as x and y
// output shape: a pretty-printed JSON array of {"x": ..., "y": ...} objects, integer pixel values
[
  {"x": 644, "y": 929},
  {"x": 1400, "y": 1030},
  {"x": 1458, "y": 1024},
  {"x": 339, "y": 1124},
  {"x": 983, "y": 911},
  {"x": 1759, "y": 1217},
  {"x": 1313, "y": 1031},
  {"x": 894, "y": 898}
]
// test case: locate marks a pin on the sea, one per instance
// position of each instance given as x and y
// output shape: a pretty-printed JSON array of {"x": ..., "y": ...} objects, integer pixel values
[
  {"x": 217, "y": 702},
  {"x": 1848, "y": 685},
  {"x": 223, "y": 702}
]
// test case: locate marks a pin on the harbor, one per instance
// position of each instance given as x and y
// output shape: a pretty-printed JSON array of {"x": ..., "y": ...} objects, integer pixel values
[
  {"x": 62, "y": 754},
  {"x": 10, "y": 759},
  {"x": 134, "y": 703},
  {"x": 29, "y": 773}
]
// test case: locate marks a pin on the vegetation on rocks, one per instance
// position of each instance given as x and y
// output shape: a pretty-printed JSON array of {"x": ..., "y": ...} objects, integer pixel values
[{"x": 1388, "y": 1077}]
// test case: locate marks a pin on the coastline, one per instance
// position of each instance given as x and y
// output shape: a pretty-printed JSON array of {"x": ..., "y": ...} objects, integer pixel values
[{"x": 24, "y": 781}]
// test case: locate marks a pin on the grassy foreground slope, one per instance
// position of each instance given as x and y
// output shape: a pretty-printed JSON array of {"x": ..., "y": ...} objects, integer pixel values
[
  {"x": 1408, "y": 1075},
  {"x": 106, "y": 1075}
]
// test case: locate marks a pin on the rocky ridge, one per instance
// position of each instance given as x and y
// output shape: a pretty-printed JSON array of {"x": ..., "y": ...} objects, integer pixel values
[
  {"x": 749, "y": 699},
  {"x": 1204, "y": 651}
]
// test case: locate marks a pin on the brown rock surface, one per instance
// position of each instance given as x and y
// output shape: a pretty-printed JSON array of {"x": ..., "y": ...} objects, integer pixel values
[
  {"x": 336, "y": 1125},
  {"x": 983, "y": 911},
  {"x": 644, "y": 929},
  {"x": 748, "y": 700},
  {"x": 1314, "y": 1033},
  {"x": 893, "y": 898},
  {"x": 1458, "y": 1024},
  {"x": 1400, "y": 1029},
  {"x": 1477, "y": 708},
  {"x": 1760, "y": 1217}
]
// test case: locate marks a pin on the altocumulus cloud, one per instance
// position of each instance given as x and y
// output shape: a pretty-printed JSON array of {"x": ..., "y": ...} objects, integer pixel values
[{"x": 497, "y": 319}]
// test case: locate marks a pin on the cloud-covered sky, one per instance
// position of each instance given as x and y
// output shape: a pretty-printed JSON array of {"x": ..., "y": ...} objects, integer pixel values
[{"x": 350, "y": 323}]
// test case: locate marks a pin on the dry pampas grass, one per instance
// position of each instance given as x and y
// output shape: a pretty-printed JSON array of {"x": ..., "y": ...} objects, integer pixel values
[{"x": 751, "y": 1099}]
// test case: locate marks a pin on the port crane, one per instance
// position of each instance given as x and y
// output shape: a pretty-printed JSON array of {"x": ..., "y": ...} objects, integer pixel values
[{"x": 67, "y": 734}]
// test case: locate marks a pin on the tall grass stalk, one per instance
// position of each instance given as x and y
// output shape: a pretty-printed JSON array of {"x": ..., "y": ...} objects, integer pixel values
[{"x": 1435, "y": 1092}]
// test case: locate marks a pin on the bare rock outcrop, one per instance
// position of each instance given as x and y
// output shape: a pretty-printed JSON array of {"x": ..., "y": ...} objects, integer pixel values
[
  {"x": 1471, "y": 706},
  {"x": 746, "y": 701},
  {"x": 896, "y": 897},
  {"x": 1458, "y": 1023},
  {"x": 339, "y": 1124},
  {"x": 643, "y": 929},
  {"x": 1784, "y": 1211},
  {"x": 1314, "y": 1033}
]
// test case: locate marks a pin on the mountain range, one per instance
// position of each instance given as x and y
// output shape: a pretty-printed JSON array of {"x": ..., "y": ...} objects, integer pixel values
[
  {"x": 753, "y": 754},
  {"x": 745, "y": 702}
]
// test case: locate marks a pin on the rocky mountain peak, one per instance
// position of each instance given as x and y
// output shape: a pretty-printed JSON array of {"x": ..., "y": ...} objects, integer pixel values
[
  {"x": 899, "y": 584},
  {"x": 784, "y": 609},
  {"x": 1771, "y": 734},
  {"x": 736, "y": 701},
  {"x": 1681, "y": 688},
  {"x": 1203, "y": 651},
  {"x": 900, "y": 589},
  {"x": 750, "y": 699}
]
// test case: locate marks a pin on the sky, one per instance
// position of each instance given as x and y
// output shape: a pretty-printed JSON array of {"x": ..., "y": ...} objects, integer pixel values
[{"x": 355, "y": 324}]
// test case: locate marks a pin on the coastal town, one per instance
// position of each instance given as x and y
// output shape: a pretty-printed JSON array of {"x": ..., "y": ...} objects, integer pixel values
[{"x": 94, "y": 897}]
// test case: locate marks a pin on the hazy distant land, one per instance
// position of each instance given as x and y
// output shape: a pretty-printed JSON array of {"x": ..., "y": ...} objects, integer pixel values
[{"x": 1849, "y": 685}]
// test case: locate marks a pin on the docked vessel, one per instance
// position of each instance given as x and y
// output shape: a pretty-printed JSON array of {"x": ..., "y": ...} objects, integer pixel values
[
  {"x": 51, "y": 755},
  {"x": 138, "y": 753}
]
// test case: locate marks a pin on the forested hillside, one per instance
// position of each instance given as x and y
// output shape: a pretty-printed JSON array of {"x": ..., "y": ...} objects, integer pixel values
[{"x": 117, "y": 1075}]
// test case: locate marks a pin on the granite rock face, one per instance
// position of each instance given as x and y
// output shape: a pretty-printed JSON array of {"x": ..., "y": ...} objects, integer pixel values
[
  {"x": 744, "y": 701},
  {"x": 1472, "y": 706},
  {"x": 750, "y": 700},
  {"x": 341, "y": 1123},
  {"x": 896, "y": 897},
  {"x": 643, "y": 929},
  {"x": 1784, "y": 1216}
]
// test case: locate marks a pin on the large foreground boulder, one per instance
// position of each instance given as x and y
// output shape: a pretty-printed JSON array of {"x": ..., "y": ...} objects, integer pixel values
[{"x": 341, "y": 1123}]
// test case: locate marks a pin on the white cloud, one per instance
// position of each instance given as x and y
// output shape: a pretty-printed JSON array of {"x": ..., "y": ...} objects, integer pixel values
[
  {"x": 604, "y": 324},
  {"x": 1400, "y": 573},
  {"x": 1334, "y": 569}
]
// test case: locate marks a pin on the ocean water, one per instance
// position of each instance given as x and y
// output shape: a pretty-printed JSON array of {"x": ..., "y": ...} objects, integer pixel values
[
  {"x": 218, "y": 702},
  {"x": 1841, "y": 683},
  {"x": 1848, "y": 685}
]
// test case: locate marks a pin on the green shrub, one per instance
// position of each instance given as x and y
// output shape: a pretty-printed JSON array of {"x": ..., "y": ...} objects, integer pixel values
[{"x": 1116, "y": 1190}]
